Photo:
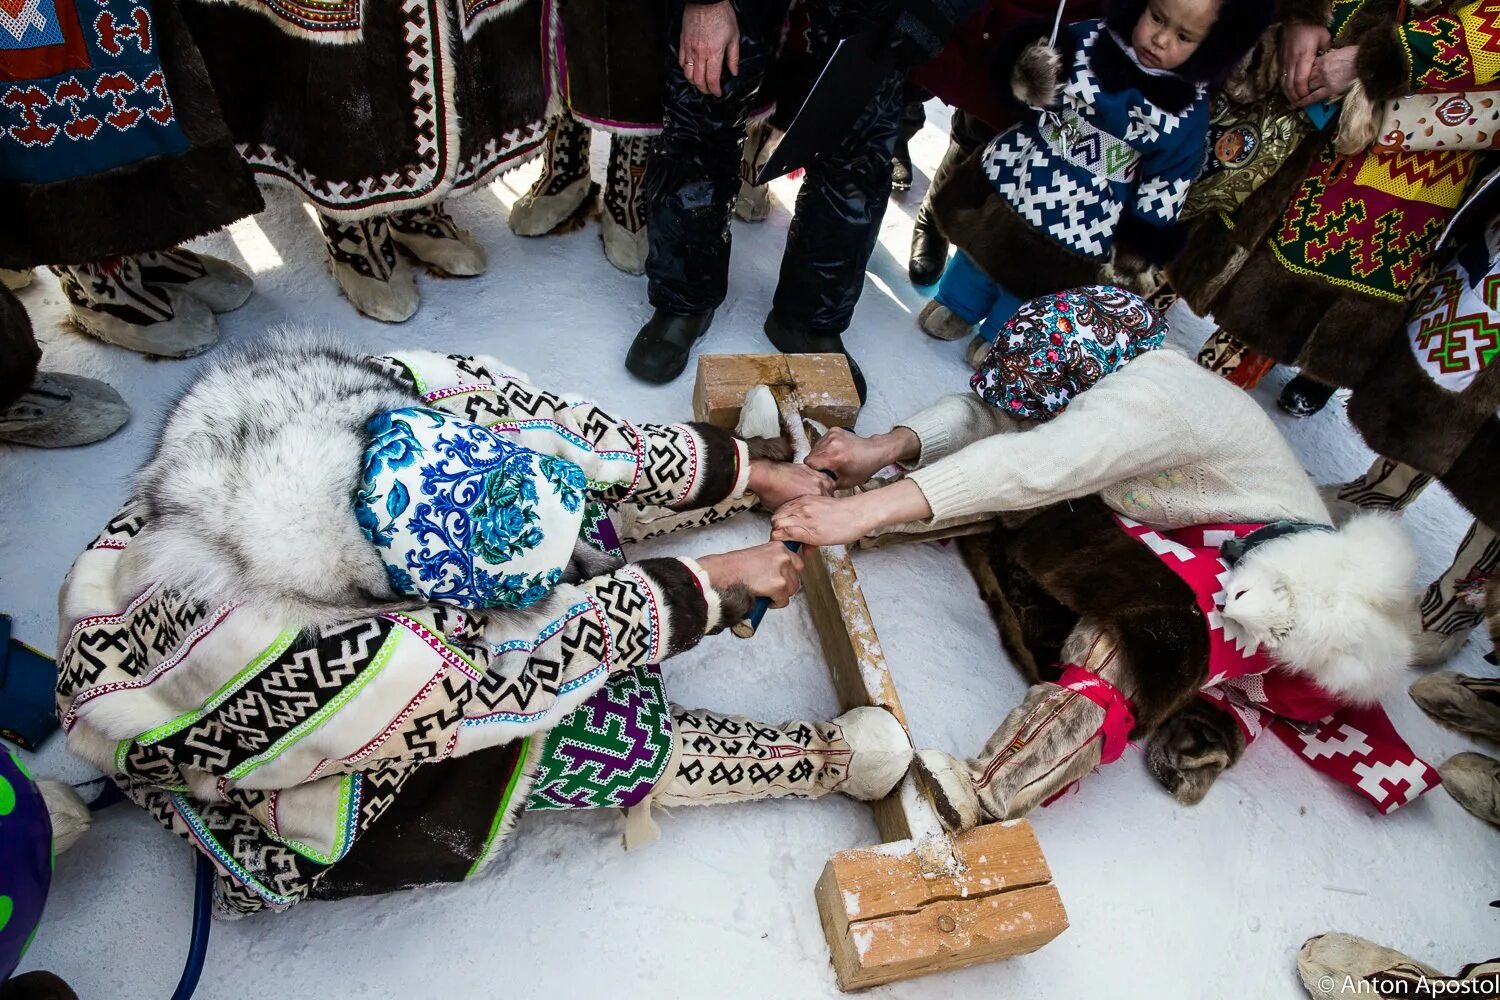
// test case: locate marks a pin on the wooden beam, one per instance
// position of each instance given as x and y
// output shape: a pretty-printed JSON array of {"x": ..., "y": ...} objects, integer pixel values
[{"x": 821, "y": 385}]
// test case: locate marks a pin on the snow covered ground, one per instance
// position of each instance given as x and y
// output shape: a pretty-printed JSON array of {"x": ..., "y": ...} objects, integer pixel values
[{"x": 1165, "y": 901}]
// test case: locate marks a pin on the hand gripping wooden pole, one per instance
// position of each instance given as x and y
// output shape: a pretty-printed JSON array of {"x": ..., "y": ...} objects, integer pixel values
[{"x": 922, "y": 901}]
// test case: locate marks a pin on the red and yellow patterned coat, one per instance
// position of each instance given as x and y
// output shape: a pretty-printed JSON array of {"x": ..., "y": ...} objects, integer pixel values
[{"x": 1315, "y": 268}]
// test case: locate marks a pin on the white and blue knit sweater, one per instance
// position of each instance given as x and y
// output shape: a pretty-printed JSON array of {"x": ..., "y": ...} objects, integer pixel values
[{"x": 1099, "y": 160}]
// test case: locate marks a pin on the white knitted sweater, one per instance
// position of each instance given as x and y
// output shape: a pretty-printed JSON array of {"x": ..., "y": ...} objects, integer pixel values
[{"x": 1161, "y": 440}]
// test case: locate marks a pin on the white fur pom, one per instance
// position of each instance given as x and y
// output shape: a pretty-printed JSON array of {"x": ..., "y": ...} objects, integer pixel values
[
  {"x": 1339, "y": 607},
  {"x": 759, "y": 416},
  {"x": 71, "y": 819}
]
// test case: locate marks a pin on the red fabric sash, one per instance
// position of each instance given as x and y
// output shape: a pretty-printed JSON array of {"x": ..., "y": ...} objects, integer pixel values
[{"x": 1119, "y": 718}]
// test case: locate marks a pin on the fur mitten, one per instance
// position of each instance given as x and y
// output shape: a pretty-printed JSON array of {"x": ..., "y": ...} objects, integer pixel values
[
  {"x": 1037, "y": 78},
  {"x": 1359, "y": 121},
  {"x": 1131, "y": 272}
]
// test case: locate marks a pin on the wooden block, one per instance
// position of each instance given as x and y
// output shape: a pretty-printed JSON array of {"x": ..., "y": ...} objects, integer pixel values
[
  {"x": 887, "y": 920},
  {"x": 823, "y": 387}
]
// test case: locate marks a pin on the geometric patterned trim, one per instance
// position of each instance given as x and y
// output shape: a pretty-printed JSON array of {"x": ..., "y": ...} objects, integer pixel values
[{"x": 1353, "y": 286}]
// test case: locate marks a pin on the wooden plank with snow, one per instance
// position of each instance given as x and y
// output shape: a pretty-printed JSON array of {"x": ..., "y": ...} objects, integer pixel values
[
  {"x": 923, "y": 901},
  {"x": 823, "y": 389},
  {"x": 887, "y": 919}
]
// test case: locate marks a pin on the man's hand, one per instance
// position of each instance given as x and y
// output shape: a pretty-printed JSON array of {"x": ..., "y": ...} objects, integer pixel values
[
  {"x": 1300, "y": 46},
  {"x": 1334, "y": 73},
  {"x": 770, "y": 570},
  {"x": 710, "y": 41},
  {"x": 855, "y": 459},
  {"x": 777, "y": 482}
]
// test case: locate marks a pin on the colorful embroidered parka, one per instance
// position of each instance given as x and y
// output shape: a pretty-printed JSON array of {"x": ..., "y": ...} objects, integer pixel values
[{"x": 1369, "y": 222}]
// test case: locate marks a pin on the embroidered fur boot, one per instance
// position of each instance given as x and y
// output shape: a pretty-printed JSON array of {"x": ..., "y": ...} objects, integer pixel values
[
  {"x": 1339, "y": 965},
  {"x": 63, "y": 411},
  {"x": 15, "y": 280},
  {"x": 216, "y": 283},
  {"x": 623, "y": 224},
  {"x": 753, "y": 204},
  {"x": 564, "y": 191},
  {"x": 111, "y": 300},
  {"x": 729, "y": 758},
  {"x": 431, "y": 236},
  {"x": 375, "y": 278}
]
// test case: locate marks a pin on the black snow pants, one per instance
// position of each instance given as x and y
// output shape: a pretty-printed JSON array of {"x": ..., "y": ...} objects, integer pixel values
[{"x": 693, "y": 177}]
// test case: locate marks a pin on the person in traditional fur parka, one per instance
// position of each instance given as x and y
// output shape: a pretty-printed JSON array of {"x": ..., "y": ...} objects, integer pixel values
[
  {"x": 1089, "y": 187},
  {"x": 1161, "y": 567},
  {"x": 361, "y": 613},
  {"x": 1315, "y": 267}
]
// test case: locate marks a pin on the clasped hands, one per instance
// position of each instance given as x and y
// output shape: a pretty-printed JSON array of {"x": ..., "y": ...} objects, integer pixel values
[
  {"x": 804, "y": 509},
  {"x": 1311, "y": 71}
]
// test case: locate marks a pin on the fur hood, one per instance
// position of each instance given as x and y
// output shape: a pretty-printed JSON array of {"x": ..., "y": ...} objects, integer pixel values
[
  {"x": 1339, "y": 607},
  {"x": 248, "y": 496}
]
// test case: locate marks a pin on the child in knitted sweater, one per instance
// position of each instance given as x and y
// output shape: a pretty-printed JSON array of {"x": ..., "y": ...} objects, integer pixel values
[{"x": 1087, "y": 190}]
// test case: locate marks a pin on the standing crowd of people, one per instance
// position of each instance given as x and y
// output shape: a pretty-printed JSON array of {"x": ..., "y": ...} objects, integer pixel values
[{"x": 442, "y": 538}]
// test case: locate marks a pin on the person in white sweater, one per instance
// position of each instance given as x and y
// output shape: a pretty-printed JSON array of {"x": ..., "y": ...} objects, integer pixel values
[{"x": 1079, "y": 403}]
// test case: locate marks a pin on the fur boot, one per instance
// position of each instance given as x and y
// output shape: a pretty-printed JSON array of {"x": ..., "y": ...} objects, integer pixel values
[
  {"x": 1189, "y": 751},
  {"x": 1453, "y": 605},
  {"x": 1329, "y": 962},
  {"x": 15, "y": 280},
  {"x": 938, "y": 321},
  {"x": 623, "y": 223},
  {"x": 1473, "y": 780},
  {"x": 1037, "y": 77},
  {"x": 112, "y": 301},
  {"x": 863, "y": 753},
  {"x": 216, "y": 283},
  {"x": 63, "y": 411},
  {"x": 435, "y": 240},
  {"x": 564, "y": 189},
  {"x": 753, "y": 203},
  {"x": 1469, "y": 705},
  {"x": 375, "y": 278}
]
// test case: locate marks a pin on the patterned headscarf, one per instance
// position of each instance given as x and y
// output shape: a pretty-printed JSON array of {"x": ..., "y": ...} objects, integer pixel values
[
  {"x": 464, "y": 515},
  {"x": 1058, "y": 345}
]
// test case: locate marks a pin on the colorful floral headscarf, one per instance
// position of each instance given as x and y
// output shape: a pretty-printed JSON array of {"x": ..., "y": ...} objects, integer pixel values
[
  {"x": 464, "y": 515},
  {"x": 1058, "y": 345}
]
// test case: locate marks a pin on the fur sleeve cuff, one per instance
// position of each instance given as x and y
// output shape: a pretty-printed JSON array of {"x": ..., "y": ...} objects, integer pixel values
[
  {"x": 1155, "y": 244},
  {"x": 1319, "y": 12},
  {"x": 1382, "y": 64},
  {"x": 680, "y": 603},
  {"x": 723, "y": 467}
]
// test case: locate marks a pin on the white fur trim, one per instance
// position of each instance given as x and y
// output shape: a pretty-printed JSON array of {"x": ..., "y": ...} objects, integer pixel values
[
  {"x": 710, "y": 594},
  {"x": 742, "y": 482}
]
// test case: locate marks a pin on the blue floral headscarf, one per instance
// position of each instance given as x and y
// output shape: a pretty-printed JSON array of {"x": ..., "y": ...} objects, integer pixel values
[
  {"x": 1056, "y": 346},
  {"x": 464, "y": 515}
]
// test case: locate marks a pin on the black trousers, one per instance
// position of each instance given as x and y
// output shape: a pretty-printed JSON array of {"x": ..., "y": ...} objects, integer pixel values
[
  {"x": 693, "y": 177},
  {"x": 19, "y": 353}
]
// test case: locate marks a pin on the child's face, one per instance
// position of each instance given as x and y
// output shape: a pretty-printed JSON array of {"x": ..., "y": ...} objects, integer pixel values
[{"x": 1170, "y": 31}]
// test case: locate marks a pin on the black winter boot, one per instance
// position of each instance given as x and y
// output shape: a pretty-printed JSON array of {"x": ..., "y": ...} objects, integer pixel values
[
  {"x": 929, "y": 249},
  {"x": 661, "y": 348},
  {"x": 1303, "y": 397},
  {"x": 791, "y": 338}
]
